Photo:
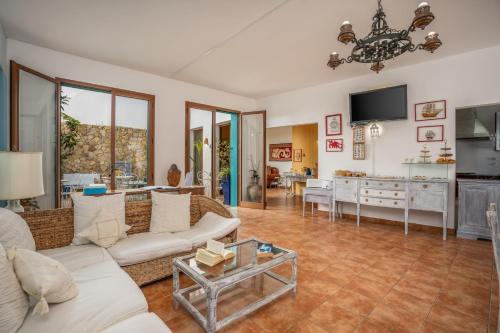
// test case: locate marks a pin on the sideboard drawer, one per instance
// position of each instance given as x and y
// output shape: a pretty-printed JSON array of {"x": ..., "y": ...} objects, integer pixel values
[
  {"x": 428, "y": 186},
  {"x": 427, "y": 200},
  {"x": 383, "y": 184},
  {"x": 346, "y": 183},
  {"x": 373, "y": 192},
  {"x": 394, "y": 203}
]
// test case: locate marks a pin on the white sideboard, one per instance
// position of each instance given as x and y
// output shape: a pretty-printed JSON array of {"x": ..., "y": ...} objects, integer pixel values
[{"x": 427, "y": 195}]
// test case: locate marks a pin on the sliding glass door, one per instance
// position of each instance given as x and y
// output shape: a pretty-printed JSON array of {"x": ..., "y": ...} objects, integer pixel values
[
  {"x": 253, "y": 159},
  {"x": 212, "y": 151},
  {"x": 106, "y": 137},
  {"x": 34, "y": 125}
]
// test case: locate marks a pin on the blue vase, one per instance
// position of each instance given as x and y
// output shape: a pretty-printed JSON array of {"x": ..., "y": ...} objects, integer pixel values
[{"x": 226, "y": 189}]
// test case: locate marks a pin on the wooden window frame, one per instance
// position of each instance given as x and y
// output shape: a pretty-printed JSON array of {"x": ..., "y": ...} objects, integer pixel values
[
  {"x": 15, "y": 69},
  {"x": 214, "y": 109},
  {"x": 117, "y": 92}
]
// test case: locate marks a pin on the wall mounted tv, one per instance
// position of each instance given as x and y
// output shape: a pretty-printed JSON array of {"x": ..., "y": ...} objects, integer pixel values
[{"x": 379, "y": 105}]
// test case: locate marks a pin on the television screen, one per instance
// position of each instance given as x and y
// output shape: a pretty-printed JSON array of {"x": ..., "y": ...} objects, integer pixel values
[{"x": 379, "y": 105}]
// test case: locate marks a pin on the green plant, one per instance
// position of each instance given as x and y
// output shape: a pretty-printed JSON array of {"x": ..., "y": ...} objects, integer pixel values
[
  {"x": 224, "y": 153},
  {"x": 69, "y": 132}
]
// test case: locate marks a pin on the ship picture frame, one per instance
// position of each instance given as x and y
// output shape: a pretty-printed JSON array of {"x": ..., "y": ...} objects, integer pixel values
[{"x": 433, "y": 110}]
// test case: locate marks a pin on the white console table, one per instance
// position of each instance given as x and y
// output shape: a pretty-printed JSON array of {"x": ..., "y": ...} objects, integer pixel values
[{"x": 427, "y": 195}]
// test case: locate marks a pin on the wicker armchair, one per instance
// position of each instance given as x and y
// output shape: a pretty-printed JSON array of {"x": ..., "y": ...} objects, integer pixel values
[{"x": 55, "y": 228}]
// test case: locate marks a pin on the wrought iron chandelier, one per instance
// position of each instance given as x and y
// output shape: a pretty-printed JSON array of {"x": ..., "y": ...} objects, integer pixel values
[{"x": 384, "y": 43}]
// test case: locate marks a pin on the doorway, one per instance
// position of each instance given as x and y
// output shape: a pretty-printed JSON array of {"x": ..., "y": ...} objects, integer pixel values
[
  {"x": 225, "y": 153},
  {"x": 292, "y": 154}
]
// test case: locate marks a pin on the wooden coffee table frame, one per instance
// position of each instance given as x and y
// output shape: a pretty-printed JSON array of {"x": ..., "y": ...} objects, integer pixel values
[{"x": 212, "y": 288}]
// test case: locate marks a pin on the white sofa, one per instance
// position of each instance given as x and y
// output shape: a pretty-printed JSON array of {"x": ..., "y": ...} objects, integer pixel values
[{"x": 109, "y": 300}]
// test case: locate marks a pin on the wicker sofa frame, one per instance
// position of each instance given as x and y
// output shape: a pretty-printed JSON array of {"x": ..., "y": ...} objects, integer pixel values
[{"x": 55, "y": 228}]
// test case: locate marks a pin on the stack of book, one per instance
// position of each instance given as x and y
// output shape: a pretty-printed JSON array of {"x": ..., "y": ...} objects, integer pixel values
[{"x": 214, "y": 254}]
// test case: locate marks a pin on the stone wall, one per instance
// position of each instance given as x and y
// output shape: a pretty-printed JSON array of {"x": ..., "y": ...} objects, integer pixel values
[{"x": 92, "y": 154}]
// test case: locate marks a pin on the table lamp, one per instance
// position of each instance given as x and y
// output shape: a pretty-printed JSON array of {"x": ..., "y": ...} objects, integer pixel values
[{"x": 21, "y": 177}]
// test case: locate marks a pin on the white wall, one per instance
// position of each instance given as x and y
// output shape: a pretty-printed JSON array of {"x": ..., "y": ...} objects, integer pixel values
[
  {"x": 467, "y": 79},
  {"x": 279, "y": 135},
  {"x": 170, "y": 94}
]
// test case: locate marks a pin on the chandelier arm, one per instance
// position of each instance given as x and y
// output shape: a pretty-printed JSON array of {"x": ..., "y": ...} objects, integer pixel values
[
  {"x": 348, "y": 60},
  {"x": 414, "y": 47}
]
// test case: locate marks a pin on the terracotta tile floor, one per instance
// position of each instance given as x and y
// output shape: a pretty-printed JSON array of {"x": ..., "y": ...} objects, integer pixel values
[{"x": 371, "y": 279}]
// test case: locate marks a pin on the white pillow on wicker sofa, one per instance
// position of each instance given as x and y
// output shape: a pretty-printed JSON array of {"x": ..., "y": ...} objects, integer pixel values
[
  {"x": 14, "y": 231},
  {"x": 43, "y": 278},
  {"x": 170, "y": 212},
  {"x": 105, "y": 230},
  {"x": 13, "y": 300},
  {"x": 86, "y": 209}
]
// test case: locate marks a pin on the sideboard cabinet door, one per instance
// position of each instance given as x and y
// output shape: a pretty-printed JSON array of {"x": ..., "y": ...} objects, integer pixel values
[{"x": 472, "y": 205}]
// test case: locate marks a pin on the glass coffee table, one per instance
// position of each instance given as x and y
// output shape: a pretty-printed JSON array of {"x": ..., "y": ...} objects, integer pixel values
[{"x": 237, "y": 286}]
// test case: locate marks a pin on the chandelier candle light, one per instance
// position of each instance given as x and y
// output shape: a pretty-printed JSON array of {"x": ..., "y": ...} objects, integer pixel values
[{"x": 384, "y": 43}]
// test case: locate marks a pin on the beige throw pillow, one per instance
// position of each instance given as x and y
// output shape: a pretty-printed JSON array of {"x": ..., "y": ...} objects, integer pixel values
[
  {"x": 105, "y": 230},
  {"x": 13, "y": 300},
  {"x": 170, "y": 212},
  {"x": 86, "y": 209},
  {"x": 14, "y": 232},
  {"x": 43, "y": 278}
]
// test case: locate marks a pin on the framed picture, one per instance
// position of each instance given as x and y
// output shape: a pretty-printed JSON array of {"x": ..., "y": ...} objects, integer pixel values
[
  {"x": 358, "y": 151},
  {"x": 334, "y": 145},
  {"x": 297, "y": 155},
  {"x": 333, "y": 124},
  {"x": 430, "y": 133},
  {"x": 430, "y": 110},
  {"x": 280, "y": 152}
]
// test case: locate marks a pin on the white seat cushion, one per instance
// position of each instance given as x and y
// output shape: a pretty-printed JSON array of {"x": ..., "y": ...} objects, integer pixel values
[
  {"x": 75, "y": 257},
  {"x": 146, "y": 246},
  {"x": 14, "y": 231},
  {"x": 145, "y": 322},
  {"x": 210, "y": 226},
  {"x": 107, "y": 295}
]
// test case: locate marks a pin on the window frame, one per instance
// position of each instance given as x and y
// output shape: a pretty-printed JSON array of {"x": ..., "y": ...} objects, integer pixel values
[{"x": 117, "y": 92}]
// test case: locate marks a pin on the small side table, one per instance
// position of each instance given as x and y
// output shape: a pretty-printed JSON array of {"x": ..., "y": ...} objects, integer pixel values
[{"x": 319, "y": 196}]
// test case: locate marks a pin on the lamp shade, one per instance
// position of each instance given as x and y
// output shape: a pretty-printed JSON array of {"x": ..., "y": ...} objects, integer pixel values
[{"x": 21, "y": 175}]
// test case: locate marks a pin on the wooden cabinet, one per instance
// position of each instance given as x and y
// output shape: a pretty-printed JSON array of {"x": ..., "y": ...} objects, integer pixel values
[{"x": 474, "y": 196}]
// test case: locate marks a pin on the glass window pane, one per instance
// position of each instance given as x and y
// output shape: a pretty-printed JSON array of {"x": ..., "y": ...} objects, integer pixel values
[
  {"x": 131, "y": 142},
  {"x": 85, "y": 139},
  {"x": 37, "y": 128},
  {"x": 252, "y": 146},
  {"x": 200, "y": 150}
]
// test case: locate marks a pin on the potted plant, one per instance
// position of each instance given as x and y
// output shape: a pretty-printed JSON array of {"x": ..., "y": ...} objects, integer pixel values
[
  {"x": 224, "y": 153},
  {"x": 225, "y": 182}
]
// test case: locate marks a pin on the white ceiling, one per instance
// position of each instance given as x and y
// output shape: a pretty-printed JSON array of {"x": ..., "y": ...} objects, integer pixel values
[{"x": 254, "y": 48}]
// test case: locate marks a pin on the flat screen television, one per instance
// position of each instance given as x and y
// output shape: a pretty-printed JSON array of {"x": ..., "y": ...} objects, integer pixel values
[{"x": 379, "y": 105}]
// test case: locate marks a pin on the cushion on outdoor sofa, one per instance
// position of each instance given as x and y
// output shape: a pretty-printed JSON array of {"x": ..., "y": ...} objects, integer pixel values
[
  {"x": 147, "y": 246},
  {"x": 145, "y": 322},
  {"x": 107, "y": 295},
  {"x": 75, "y": 257},
  {"x": 210, "y": 226}
]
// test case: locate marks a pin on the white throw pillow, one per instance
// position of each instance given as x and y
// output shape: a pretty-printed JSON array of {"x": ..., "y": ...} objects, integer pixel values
[
  {"x": 43, "y": 278},
  {"x": 170, "y": 212},
  {"x": 13, "y": 300},
  {"x": 86, "y": 209},
  {"x": 105, "y": 230},
  {"x": 14, "y": 232}
]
